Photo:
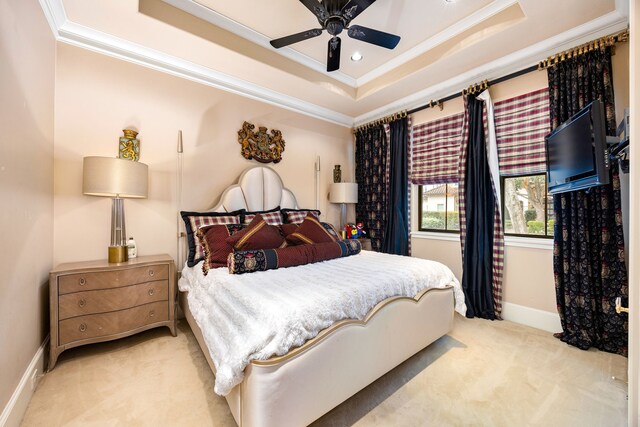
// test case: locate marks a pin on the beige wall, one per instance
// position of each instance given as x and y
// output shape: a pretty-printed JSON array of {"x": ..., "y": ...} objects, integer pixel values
[
  {"x": 528, "y": 272},
  {"x": 97, "y": 97},
  {"x": 27, "y": 69}
]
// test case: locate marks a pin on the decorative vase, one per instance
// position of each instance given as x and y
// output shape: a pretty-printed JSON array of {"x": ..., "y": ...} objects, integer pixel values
[
  {"x": 129, "y": 147},
  {"x": 337, "y": 174}
]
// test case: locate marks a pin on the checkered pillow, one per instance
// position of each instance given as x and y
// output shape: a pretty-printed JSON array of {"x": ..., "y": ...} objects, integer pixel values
[
  {"x": 272, "y": 217},
  {"x": 193, "y": 221},
  {"x": 296, "y": 216}
]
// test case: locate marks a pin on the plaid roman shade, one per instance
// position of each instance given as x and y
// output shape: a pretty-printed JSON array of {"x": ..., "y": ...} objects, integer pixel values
[
  {"x": 521, "y": 125},
  {"x": 436, "y": 151}
]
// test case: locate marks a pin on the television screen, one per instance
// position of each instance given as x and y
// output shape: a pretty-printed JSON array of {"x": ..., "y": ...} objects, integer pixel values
[{"x": 577, "y": 151}]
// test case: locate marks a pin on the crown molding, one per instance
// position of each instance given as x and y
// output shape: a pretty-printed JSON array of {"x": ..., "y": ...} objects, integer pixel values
[
  {"x": 77, "y": 35},
  {"x": 74, "y": 34},
  {"x": 211, "y": 16},
  {"x": 604, "y": 25}
]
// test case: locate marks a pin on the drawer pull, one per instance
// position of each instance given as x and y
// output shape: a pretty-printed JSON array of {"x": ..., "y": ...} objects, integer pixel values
[
  {"x": 82, "y": 281},
  {"x": 82, "y": 303},
  {"x": 83, "y": 327},
  {"x": 151, "y": 272},
  {"x": 151, "y": 292},
  {"x": 152, "y": 313}
]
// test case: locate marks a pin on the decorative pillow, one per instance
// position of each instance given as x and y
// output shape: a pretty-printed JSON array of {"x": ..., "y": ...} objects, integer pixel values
[
  {"x": 257, "y": 235},
  {"x": 193, "y": 221},
  {"x": 311, "y": 231},
  {"x": 332, "y": 230},
  {"x": 214, "y": 242},
  {"x": 296, "y": 216},
  {"x": 268, "y": 259},
  {"x": 273, "y": 216},
  {"x": 287, "y": 229}
]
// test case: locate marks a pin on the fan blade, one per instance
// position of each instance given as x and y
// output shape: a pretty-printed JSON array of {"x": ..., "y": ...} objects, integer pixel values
[
  {"x": 372, "y": 36},
  {"x": 333, "y": 57},
  {"x": 295, "y": 38},
  {"x": 355, "y": 8},
  {"x": 317, "y": 9}
]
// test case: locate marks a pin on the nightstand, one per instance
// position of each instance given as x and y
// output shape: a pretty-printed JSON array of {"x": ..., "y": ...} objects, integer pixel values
[
  {"x": 365, "y": 243},
  {"x": 96, "y": 301}
]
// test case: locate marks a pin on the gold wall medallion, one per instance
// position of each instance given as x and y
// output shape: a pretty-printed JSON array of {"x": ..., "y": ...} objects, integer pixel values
[
  {"x": 260, "y": 145},
  {"x": 129, "y": 147}
]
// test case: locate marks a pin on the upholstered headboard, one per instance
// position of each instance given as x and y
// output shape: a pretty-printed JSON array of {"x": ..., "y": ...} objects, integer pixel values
[{"x": 259, "y": 188}]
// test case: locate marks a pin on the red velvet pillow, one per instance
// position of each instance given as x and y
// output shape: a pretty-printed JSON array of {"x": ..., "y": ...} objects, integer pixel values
[
  {"x": 214, "y": 243},
  {"x": 311, "y": 231},
  {"x": 288, "y": 229},
  {"x": 257, "y": 235}
]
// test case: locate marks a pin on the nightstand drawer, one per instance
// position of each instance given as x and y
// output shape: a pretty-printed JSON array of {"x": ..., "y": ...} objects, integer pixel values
[
  {"x": 111, "y": 279},
  {"x": 105, "y": 300},
  {"x": 97, "y": 325}
]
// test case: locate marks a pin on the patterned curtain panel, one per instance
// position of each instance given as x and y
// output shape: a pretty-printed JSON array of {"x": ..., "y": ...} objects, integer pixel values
[
  {"x": 372, "y": 178},
  {"x": 521, "y": 125},
  {"x": 481, "y": 235},
  {"x": 588, "y": 259},
  {"x": 436, "y": 151}
]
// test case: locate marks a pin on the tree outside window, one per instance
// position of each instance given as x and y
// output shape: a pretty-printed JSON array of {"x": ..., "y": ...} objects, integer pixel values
[{"x": 527, "y": 207}]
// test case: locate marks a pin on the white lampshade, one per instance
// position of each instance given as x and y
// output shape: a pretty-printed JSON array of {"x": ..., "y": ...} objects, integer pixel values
[
  {"x": 113, "y": 177},
  {"x": 118, "y": 179},
  {"x": 343, "y": 192}
]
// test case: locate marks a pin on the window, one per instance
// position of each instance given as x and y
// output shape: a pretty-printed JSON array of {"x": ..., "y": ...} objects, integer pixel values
[
  {"x": 527, "y": 207},
  {"x": 438, "y": 207}
]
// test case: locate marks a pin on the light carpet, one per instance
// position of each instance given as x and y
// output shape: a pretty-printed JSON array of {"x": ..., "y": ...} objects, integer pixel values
[{"x": 482, "y": 374}]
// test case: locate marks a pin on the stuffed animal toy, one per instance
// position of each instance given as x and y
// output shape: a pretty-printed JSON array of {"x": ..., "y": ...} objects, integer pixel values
[{"x": 354, "y": 231}]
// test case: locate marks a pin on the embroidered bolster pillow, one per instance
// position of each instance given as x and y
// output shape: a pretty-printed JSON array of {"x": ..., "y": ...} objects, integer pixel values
[{"x": 270, "y": 259}]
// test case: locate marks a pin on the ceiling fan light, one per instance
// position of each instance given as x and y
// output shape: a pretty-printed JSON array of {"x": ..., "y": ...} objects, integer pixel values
[{"x": 356, "y": 57}]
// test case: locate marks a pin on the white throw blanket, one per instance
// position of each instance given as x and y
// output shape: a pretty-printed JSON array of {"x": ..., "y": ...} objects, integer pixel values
[{"x": 259, "y": 315}]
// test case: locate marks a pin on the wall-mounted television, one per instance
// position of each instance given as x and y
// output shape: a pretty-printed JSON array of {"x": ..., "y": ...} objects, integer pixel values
[{"x": 577, "y": 156}]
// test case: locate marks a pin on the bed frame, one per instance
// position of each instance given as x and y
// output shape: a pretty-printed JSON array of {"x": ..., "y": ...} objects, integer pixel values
[{"x": 297, "y": 388}]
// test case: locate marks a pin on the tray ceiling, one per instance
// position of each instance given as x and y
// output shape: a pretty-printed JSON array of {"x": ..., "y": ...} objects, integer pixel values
[{"x": 445, "y": 45}]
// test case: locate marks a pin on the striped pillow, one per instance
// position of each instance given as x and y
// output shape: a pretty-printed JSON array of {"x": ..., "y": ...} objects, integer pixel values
[
  {"x": 257, "y": 235},
  {"x": 193, "y": 221},
  {"x": 272, "y": 216},
  {"x": 311, "y": 231},
  {"x": 296, "y": 216}
]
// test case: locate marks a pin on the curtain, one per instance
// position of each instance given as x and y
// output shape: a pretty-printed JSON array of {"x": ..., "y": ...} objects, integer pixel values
[
  {"x": 371, "y": 176},
  {"x": 480, "y": 225},
  {"x": 396, "y": 235},
  {"x": 588, "y": 261}
]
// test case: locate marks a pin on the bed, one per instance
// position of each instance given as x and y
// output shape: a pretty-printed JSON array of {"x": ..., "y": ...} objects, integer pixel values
[{"x": 323, "y": 366}]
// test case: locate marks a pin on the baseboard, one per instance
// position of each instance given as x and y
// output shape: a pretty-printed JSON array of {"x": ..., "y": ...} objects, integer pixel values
[
  {"x": 533, "y": 317},
  {"x": 16, "y": 407}
]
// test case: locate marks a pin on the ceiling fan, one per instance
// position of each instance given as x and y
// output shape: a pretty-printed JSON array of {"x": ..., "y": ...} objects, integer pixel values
[{"x": 335, "y": 16}]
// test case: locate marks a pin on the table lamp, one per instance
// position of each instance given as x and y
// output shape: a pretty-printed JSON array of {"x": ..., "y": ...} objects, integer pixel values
[
  {"x": 118, "y": 179},
  {"x": 343, "y": 193}
]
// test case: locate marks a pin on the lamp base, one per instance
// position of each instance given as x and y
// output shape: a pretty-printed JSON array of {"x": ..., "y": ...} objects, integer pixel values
[{"x": 118, "y": 254}]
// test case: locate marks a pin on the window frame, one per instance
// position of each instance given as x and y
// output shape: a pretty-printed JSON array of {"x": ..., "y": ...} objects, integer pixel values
[
  {"x": 545, "y": 236},
  {"x": 434, "y": 230}
]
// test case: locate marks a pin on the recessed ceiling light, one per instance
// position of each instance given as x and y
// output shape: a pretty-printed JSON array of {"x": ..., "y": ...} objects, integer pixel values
[{"x": 356, "y": 57}]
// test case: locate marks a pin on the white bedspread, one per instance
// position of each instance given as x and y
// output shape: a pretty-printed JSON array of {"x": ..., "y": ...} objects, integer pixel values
[{"x": 260, "y": 315}]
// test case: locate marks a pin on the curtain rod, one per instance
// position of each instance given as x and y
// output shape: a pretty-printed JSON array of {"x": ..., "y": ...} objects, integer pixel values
[
  {"x": 474, "y": 88},
  {"x": 602, "y": 42}
]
